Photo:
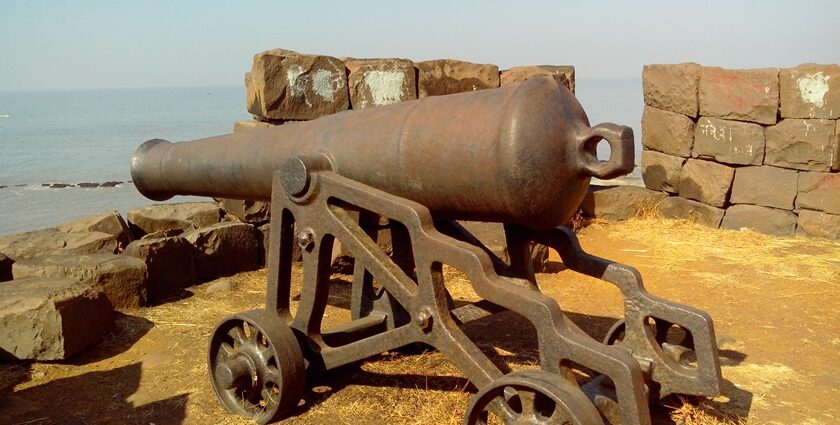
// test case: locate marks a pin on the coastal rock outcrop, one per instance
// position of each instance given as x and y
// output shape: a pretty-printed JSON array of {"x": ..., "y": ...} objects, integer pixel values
[
  {"x": 122, "y": 279},
  {"x": 53, "y": 241},
  {"x": 51, "y": 319},
  {"x": 111, "y": 223},
  {"x": 187, "y": 216},
  {"x": 224, "y": 249},
  {"x": 170, "y": 264}
]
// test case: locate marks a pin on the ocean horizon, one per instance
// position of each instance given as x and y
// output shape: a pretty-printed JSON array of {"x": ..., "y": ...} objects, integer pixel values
[{"x": 69, "y": 137}]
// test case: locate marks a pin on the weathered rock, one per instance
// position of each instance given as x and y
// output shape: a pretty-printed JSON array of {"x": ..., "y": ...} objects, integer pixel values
[
  {"x": 677, "y": 207},
  {"x": 286, "y": 85},
  {"x": 667, "y": 132},
  {"x": 819, "y": 191},
  {"x": 53, "y": 241},
  {"x": 836, "y": 150},
  {"x": 265, "y": 236},
  {"x": 224, "y": 249},
  {"x": 810, "y": 91},
  {"x": 740, "y": 94},
  {"x": 802, "y": 144},
  {"x": 619, "y": 202},
  {"x": 672, "y": 87},
  {"x": 492, "y": 235},
  {"x": 168, "y": 233},
  {"x": 706, "y": 181},
  {"x": 240, "y": 126},
  {"x": 661, "y": 171},
  {"x": 564, "y": 74},
  {"x": 187, "y": 216},
  {"x": 815, "y": 223},
  {"x": 448, "y": 76},
  {"x": 224, "y": 284},
  {"x": 5, "y": 267},
  {"x": 765, "y": 220},
  {"x": 379, "y": 82},
  {"x": 111, "y": 223},
  {"x": 732, "y": 142},
  {"x": 766, "y": 186},
  {"x": 122, "y": 279},
  {"x": 247, "y": 211},
  {"x": 169, "y": 262},
  {"x": 48, "y": 319}
]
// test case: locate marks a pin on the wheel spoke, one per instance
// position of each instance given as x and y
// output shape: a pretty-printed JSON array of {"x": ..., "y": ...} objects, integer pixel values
[
  {"x": 227, "y": 349},
  {"x": 527, "y": 399},
  {"x": 237, "y": 334}
]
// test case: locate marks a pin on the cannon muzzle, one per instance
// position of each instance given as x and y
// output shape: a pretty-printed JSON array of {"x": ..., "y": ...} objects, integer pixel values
[{"x": 518, "y": 154}]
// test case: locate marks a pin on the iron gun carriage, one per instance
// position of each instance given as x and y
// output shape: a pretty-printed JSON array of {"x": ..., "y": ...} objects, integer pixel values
[{"x": 521, "y": 155}]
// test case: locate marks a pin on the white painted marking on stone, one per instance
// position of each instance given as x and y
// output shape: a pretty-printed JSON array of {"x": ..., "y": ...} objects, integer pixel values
[
  {"x": 326, "y": 84},
  {"x": 813, "y": 88},
  {"x": 386, "y": 87},
  {"x": 297, "y": 83},
  {"x": 807, "y": 127}
]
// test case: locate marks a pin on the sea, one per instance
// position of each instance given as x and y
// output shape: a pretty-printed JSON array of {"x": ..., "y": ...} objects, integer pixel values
[{"x": 49, "y": 139}]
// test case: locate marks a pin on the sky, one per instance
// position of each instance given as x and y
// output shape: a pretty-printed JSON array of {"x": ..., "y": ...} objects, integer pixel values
[{"x": 87, "y": 44}]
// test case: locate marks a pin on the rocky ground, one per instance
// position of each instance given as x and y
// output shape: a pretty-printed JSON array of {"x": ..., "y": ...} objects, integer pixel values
[{"x": 774, "y": 302}]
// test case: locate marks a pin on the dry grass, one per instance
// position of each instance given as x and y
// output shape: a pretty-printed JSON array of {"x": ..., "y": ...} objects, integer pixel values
[{"x": 676, "y": 243}]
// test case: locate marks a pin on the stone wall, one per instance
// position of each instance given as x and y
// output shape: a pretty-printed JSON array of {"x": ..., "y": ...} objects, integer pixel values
[
  {"x": 286, "y": 86},
  {"x": 754, "y": 148}
]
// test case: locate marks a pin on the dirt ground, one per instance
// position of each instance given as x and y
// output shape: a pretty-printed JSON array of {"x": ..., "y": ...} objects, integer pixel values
[{"x": 774, "y": 302}]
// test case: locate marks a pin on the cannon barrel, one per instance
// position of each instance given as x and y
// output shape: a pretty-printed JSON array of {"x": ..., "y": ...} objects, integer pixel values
[{"x": 518, "y": 154}]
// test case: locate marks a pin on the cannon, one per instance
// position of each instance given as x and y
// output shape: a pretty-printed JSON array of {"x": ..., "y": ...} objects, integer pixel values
[{"x": 522, "y": 155}]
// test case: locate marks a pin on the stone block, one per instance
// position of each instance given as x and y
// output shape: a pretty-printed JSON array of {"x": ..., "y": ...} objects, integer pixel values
[
  {"x": 49, "y": 319},
  {"x": 111, "y": 223},
  {"x": 698, "y": 212},
  {"x": 247, "y": 211},
  {"x": 765, "y": 220},
  {"x": 53, "y": 241},
  {"x": 617, "y": 203},
  {"x": 707, "y": 182},
  {"x": 379, "y": 82},
  {"x": 802, "y": 144},
  {"x": 815, "y": 223},
  {"x": 170, "y": 265},
  {"x": 122, "y": 279},
  {"x": 224, "y": 249},
  {"x": 667, "y": 132},
  {"x": 661, "y": 171},
  {"x": 810, "y": 91},
  {"x": 287, "y": 85},
  {"x": 5, "y": 267},
  {"x": 187, "y": 216},
  {"x": 449, "y": 76},
  {"x": 672, "y": 87},
  {"x": 836, "y": 151},
  {"x": 766, "y": 186},
  {"x": 819, "y": 192},
  {"x": 740, "y": 94},
  {"x": 240, "y": 126},
  {"x": 564, "y": 74},
  {"x": 732, "y": 142}
]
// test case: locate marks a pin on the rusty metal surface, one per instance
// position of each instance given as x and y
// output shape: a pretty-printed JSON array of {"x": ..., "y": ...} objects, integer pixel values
[
  {"x": 518, "y": 154},
  {"x": 325, "y": 189}
]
